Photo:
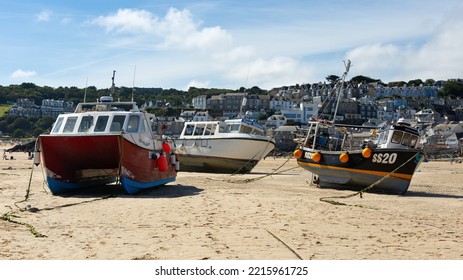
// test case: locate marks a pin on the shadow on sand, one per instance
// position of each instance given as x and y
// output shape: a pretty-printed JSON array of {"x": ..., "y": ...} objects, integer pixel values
[
  {"x": 434, "y": 195},
  {"x": 166, "y": 191}
]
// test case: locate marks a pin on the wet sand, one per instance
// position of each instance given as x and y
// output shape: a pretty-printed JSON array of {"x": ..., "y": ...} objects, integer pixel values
[{"x": 225, "y": 217}]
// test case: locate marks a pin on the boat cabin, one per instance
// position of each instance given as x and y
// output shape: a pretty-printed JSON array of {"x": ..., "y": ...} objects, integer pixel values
[
  {"x": 104, "y": 117},
  {"x": 209, "y": 128},
  {"x": 399, "y": 135},
  {"x": 326, "y": 136}
]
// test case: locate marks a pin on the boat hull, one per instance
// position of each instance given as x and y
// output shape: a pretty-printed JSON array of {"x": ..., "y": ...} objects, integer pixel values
[
  {"x": 221, "y": 155},
  {"x": 388, "y": 170},
  {"x": 73, "y": 162}
]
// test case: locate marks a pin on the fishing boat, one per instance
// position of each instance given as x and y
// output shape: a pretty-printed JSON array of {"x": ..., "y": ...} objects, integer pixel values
[
  {"x": 230, "y": 146},
  {"x": 105, "y": 142},
  {"x": 386, "y": 162}
]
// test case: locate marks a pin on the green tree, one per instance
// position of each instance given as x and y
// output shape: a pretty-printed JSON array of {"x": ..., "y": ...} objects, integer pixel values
[
  {"x": 360, "y": 79},
  {"x": 415, "y": 83},
  {"x": 332, "y": 79},
  {"x": 21, "y": 123},
  {"x": 429, "y": 82},
  {"x": 452, "y": 88},
  {"x": 18, "y": 133}
]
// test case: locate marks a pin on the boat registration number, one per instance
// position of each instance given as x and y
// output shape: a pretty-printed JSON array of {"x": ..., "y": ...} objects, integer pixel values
[{"x": 384, "y": 158}]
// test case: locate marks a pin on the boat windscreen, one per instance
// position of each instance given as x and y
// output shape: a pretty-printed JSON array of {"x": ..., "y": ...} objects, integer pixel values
[
  {"x": 70, "y": 124},
  {"x": 117, "y": 123},
  {"x": 85, "y": 123},
  {"x": 101, "y": 123},
  {"x": 57, "y": 125}
]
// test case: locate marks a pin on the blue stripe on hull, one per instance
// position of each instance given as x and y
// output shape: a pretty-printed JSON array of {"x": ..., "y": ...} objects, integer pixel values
[
  {"x": 133, "y": 187},
  {"x": 59, "y": 187}
]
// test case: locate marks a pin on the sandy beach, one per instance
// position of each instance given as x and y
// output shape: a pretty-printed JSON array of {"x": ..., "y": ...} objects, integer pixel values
[{"x": 225, "y": 217}]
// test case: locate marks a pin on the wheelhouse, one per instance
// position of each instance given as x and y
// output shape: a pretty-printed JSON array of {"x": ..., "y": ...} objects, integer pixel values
[
  {"x": 398, "y": 136},
  {"x": 215, "y": 127},
  {"x": 102, "y": 118}
]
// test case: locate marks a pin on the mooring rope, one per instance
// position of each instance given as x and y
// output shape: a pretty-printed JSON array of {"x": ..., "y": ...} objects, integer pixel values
[
  {"x": 9, "y": 216},
  {"x": 249, "y": 180},
  {"x": 329, "y": 199},
  {"x": 286, "y": 245}
]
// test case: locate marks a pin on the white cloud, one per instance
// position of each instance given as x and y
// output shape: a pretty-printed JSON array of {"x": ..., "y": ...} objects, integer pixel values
[
  {"x": 21, "y": 74},
  {"x": 44, "y": 15},
  {"x": 197, "y": 84},
  {"x": 177, "y": 30},
  {"x": 127, "y": 20},
  {"x": 438, "y": 57}
]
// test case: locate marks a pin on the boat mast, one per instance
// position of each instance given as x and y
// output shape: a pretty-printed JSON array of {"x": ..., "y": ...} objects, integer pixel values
[
  {"x": 340, "y": 92},
  {"x": 113, "y": 86},
  {"x": 85, "y": 93}
]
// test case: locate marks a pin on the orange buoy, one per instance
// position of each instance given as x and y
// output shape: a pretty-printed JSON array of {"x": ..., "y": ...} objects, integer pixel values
[
  {"x": 297, "y": 153},
  {"x": 344, "y": 157},
  {"x": 166, "y": 147},
  {"x": 366, "y": 152},
  {"x": 316, "y": 157},
  {"x": 162, "y": 163}
]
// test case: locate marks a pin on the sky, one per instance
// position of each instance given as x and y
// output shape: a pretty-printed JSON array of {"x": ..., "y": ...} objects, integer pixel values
[{"x": 227, "y": 44}]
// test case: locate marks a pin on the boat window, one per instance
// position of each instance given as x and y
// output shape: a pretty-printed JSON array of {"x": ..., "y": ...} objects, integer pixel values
[
  {"x": 70, "y": 124},
  {"x": 222, "y": 128},
  {"x": 397, "y": 137},
  {"x": 383, "y": 137},
  {"x": 144, "y": 126},
  {"x": 246, "y": 129},
  {"x": 85, "y": 123},
  {"x": 101, "y": 123},
  {"x": 199, "y": 129},
  {"x": 210, "y": 129},
  {"x": 133, "y": 124},
  {"x": 189, "y": 129},
  {"x": 407, "y": 139},
  {"x": 118, "y": 123},
  {"x": 413, "y": 141},
  {"x": 58, "y": 124},
  {"x": 233, "y": 128},
  {"x": 258, "y": 132}
]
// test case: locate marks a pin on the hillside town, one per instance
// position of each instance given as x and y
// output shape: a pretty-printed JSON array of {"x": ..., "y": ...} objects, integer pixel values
[{"x": 440, "y": 120}]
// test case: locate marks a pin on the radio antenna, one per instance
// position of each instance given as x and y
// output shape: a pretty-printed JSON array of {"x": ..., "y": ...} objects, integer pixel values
[
  {"x": 85, "y": 92},
  {"x": 133, "y": 83}
]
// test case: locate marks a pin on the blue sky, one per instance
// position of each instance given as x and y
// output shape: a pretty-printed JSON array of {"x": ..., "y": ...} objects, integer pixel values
[{"x": 226, "y": 44}]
